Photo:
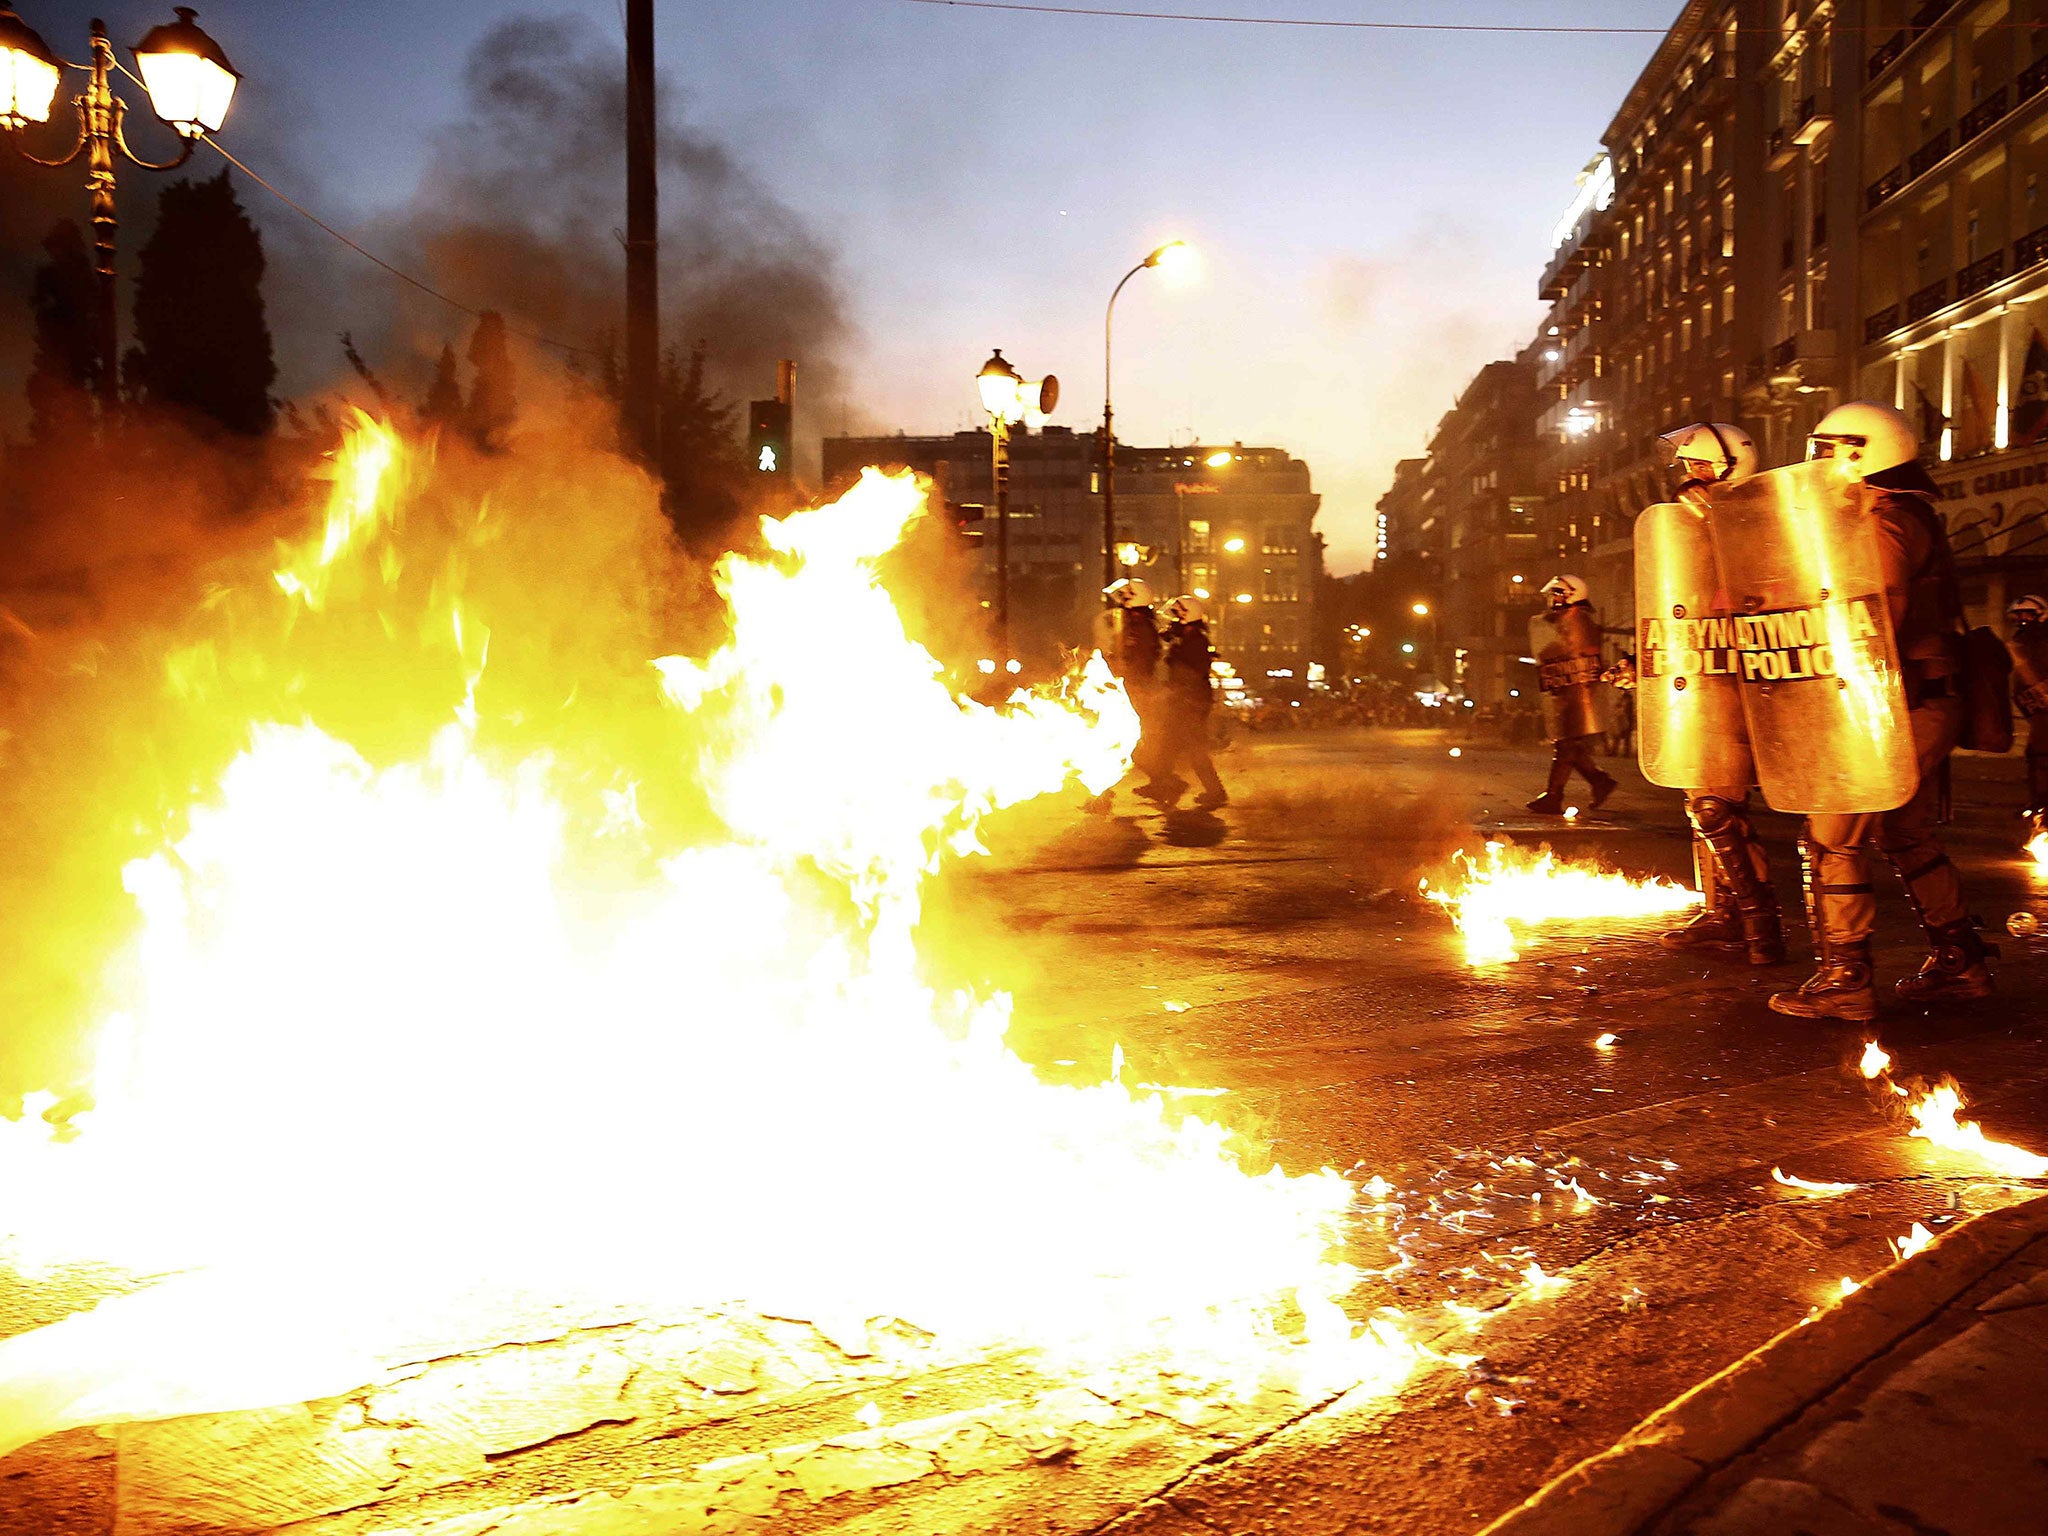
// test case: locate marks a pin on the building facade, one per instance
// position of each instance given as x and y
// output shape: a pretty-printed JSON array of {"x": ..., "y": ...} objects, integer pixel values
[
  {"x": 1953, "y": 248},
  {"x": 1233, "y": 524}
]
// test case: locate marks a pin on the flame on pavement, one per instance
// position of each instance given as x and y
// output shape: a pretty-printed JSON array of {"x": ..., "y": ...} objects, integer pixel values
[
  {"x": 2037, "y": 847},
  {"x": 499, "y": 970},
  {"x": 1934, "y": 1112},
  {"x": 1509, "y": 888}
]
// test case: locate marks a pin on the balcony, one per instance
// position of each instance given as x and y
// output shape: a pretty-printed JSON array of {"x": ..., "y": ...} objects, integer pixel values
[
  {"x": 1930, "y": 154},
  {"x": 1980, "y": 274},
  {"x": 1981, "y": 116},
  {"x": 1811, "y": 120},
  {"x": 2030, "y": 248},
  {"x": 1783, "y": 353},
  {"x": 1927, "y": 300},
  {"x": 1885, "y": 187},
  {"x": 1881, "y": 324},
  {"x": 1780, "y": 151},
  {"x": 2031, "y": 79},
  {"x": 1887, "y": 53}
]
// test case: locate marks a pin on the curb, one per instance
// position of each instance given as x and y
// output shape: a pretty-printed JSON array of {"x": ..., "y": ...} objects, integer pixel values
[{"x": 1622, "y": 1488}]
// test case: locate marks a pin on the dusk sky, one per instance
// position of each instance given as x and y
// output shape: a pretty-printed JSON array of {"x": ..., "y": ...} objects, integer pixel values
[{"x": 1372, "y": 209}]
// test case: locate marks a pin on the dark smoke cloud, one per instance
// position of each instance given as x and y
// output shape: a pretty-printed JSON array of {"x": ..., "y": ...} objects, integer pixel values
[
  {"x": 523, "y": 202},
  {"x": 520, "y": 209}
]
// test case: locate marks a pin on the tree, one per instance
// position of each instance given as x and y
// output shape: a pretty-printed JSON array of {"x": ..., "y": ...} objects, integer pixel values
[
  {"x": 202, "y": 343},
  {"x": 65, "y": 370},
  {"x": 701, "y": 460},
  {"x": 443, "y": 406},
  {"x": 493, "y": 399}
]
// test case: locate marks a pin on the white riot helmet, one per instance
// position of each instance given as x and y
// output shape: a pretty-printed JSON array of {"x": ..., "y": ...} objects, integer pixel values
[
  {"x": 2030, "y": 609},
  {"x": 1717, "y": 452},
  {"x": 1129, "y": 592},
  {"x": 1563, "y": 591},
  {"x": 1187, "y": 609},
  {"x": 1870, "y": 438}
]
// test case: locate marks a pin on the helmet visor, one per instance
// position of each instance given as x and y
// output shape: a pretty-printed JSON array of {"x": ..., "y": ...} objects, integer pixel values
[{"x": 1832, "y": 445}]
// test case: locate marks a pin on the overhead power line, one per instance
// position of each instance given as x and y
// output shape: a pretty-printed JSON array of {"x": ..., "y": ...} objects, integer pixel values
[
  {"x": 376, "y": 260},
  {"x": 1585, "y": 29}
]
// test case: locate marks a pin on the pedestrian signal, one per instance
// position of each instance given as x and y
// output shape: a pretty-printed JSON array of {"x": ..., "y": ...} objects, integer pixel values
[{"x": 768, "y": 434}]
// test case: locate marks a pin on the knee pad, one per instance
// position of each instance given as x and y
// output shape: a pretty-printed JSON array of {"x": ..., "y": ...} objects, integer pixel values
[{"x": 1711, "y": 814}]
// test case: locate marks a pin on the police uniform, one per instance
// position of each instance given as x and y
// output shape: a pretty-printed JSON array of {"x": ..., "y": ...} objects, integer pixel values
[
  {"x": 2028, "y": 644},
  {"x": 1568, "y": 674},
  {"x": 1926, "y": 613},
  {"x": 1129, "y": 641},
  {"x": 1187, "y": 697}
]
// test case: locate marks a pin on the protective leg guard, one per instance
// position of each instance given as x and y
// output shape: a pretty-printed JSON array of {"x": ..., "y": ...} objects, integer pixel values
[
  {"x": 1840, "y": 989},
  {"x": 1721, "y": 824},
  {"x": 1954, "y": 971},
  {"x": 1717, "y": 928}
]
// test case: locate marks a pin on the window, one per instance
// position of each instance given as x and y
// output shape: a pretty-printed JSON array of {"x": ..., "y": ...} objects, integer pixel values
[
  {"x": 1282, "y": 585},
  {"x": 1706, "y": 318},
  {"x": 1198, "y": 536},
  {"x": 1685, "y": 179},
  {"x": 1706, "y": 153},
  {"x": 1685, "y": 333},
  {"x": 1728, "y": 305},
  {"x": 1282, "y": 539},
  {"x": 1727, "y": 223}
]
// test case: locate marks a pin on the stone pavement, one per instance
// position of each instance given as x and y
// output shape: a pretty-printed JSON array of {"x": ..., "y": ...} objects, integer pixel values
[
  {"x": 1919, "y": 1405},
  {"x": 1945, "y": 1431}
]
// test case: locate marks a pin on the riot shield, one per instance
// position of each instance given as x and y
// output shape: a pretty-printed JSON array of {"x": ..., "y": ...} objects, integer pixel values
[
  {"x": 1690, "y": 731},
  {"x": 1568, "y": 674},
  {"x": 2029, "y": 647},
  {"x": 1812, "y": 641}
]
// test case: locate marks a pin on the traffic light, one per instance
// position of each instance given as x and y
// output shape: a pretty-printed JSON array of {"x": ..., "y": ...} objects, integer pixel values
[
  {"x": 968, "y": 517},
  {"x": 768, "y": 438}
]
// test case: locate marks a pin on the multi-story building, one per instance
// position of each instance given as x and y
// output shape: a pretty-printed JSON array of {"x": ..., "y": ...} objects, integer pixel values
[
  {"x": 1482, "y": 474},
  {"x": 1234, "y": 524},
  {"x": 1954, "y": 265}
]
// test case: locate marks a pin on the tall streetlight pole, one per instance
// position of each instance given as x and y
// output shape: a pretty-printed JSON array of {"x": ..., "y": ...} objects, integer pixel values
[
  {"x": 1109, "y": 415},
  {"x": 643, "y": 283},
  {"x": 190, "y": 83}
]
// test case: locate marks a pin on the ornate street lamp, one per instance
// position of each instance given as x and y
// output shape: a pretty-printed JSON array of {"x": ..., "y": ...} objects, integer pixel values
[
  {"x": 190, "y": 83},
  {"x": 1008, "y": 398},
  {"x": 1173, "y": 253}
]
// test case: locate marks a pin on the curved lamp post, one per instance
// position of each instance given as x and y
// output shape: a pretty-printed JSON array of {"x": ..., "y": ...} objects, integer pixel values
[
  {"x": 1172, "y": 250},
  {"x": 190, "y": 83}
]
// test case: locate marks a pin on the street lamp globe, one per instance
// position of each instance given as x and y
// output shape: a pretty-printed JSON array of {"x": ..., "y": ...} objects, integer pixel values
[
  {"x": 1176, "y": 258},
  {"x": 189, "y": 79},
  {"x": 1000, "y": 386},
  {"x": 28, "y": 72}
]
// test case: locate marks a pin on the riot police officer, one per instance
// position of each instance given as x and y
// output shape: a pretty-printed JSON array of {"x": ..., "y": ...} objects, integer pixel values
[
  {"x": 2028, "y": 643},
  {"x": 1739, "y": 914},
  {"x": 1568, "y": 674},
  {"x": 1187, "y": 698},
  {"x": 1127, "y": 634},
  {"x": 1876, "y": 445}
]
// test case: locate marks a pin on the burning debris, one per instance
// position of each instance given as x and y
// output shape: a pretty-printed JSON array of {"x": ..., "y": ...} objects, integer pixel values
[
  {"x": 1508, "y": 888},
  {"x": 484, "y": 982}
]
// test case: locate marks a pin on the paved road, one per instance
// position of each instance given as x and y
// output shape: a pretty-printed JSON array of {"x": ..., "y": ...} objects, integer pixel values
[{"x": 1335, "y": 1008}]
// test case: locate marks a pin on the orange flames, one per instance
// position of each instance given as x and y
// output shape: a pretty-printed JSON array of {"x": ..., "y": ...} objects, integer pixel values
[
  {"x": 1510, "y": 888},
  {"x": 602, "y": 994}
]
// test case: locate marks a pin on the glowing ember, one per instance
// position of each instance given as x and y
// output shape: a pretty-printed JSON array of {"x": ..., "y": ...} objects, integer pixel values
[
  {"x": 1606, "y": 1042},
  {"x": 1875, "y": 1062},
  {"x": 1934, "y": 1120},
  {"x": 1850, "y": 1287},
  {"x": 500, "y": 970},
  {"x": 1809, "y": 1186},
  {"x": 1510, "y": 887},
  {"x": 1904, "y": 1248}
]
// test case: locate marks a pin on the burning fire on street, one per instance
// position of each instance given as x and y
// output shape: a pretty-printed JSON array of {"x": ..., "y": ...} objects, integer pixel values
[
  {"x": 1496, "y": 900},
  {"x": 498, "y": 969}
]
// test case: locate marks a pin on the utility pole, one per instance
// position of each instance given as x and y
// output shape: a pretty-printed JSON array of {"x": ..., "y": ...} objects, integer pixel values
[{"x": 643, "y": 287}]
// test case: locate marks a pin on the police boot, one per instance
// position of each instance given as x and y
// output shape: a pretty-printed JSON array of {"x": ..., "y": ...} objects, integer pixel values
[
  {"x": 1717, "y": 928},
  {"x": 1549, "y": 803},
  {"x": 1840, "y": 989},
  {"x": 1955, "y": 970},
  {"x": 1604, "y": 784}
]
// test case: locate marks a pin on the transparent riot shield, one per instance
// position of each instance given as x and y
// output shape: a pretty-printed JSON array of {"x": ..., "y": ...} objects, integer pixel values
[
  {"x": 1690, "y": 730},
  {"x": 1812, "y": 641}
]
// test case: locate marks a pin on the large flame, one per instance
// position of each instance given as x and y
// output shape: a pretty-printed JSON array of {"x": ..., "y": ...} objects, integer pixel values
[
  {"x": 1510, "y": 888},
  {"x": 408, "y": 1034}
]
